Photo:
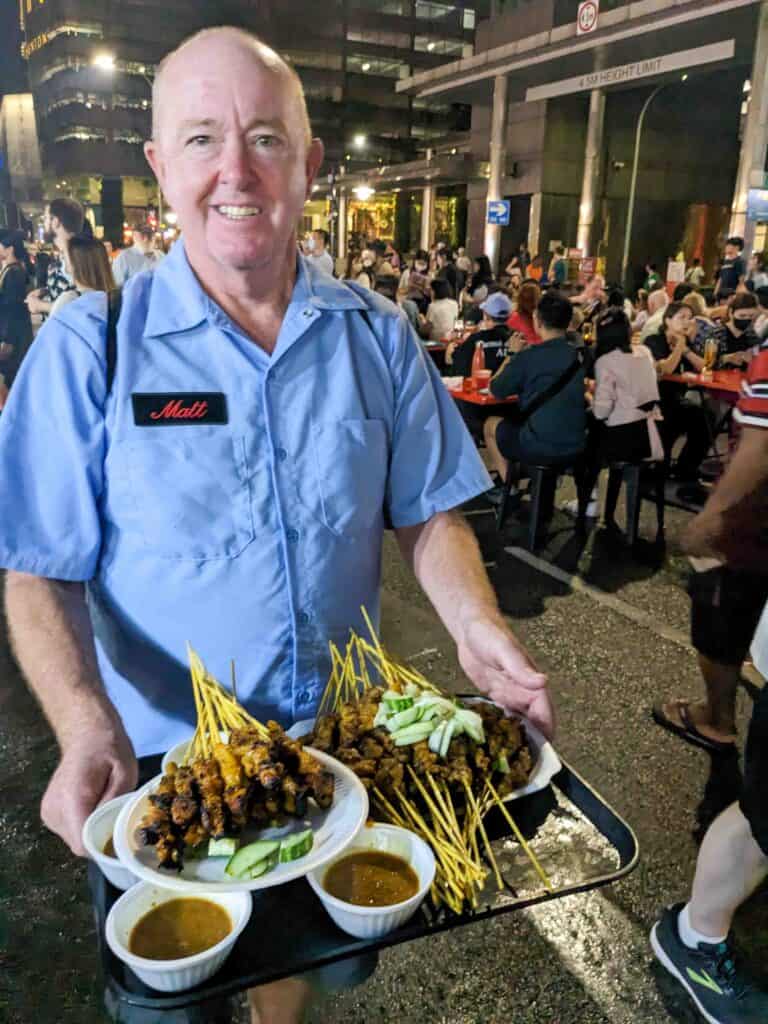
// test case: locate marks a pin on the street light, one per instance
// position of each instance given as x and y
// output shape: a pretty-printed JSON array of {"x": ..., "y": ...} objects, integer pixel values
[
  {"x": 359, "y": 141},
  {"x": 633, "y": 183},
  {"x": 106, "y": 61}
]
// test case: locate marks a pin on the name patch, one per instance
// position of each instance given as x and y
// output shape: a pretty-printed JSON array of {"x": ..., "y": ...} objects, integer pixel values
[{"x": 162, "y": 409}]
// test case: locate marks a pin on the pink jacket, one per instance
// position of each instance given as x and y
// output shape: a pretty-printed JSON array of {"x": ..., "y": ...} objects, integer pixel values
[{"x": 623, "y": 382}]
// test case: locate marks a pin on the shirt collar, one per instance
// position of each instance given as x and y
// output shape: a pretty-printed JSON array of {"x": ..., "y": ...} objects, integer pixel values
[{"x": 178, "y": 303}]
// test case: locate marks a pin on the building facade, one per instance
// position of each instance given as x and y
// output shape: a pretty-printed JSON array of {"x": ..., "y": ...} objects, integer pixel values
[{"x": 94, "y": 117}]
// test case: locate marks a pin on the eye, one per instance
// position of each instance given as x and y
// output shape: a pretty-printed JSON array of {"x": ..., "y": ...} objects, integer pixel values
[
  {"x": 198, "y": 141},
  {"x": 265, "y": 141}
]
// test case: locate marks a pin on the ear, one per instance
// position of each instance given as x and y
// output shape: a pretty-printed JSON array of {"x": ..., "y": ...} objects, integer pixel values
[
  {"x": 315, "y": 155},
  {"x": 155, "y": 160}
]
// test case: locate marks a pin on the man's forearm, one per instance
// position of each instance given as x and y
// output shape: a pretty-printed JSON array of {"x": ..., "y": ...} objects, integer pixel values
[
  {"x": 446, "y": 560},
  {"x": 52, "y": 639}
]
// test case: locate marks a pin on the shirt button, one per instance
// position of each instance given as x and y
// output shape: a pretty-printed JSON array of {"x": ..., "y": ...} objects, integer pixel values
[
  {"x": 303, "y": 619},
  {"x": 281, "y": 454},
  {"x": 308, "y": 312},
  {"x": 305, "y": 697},
  {"x": 293, "y": 536}
]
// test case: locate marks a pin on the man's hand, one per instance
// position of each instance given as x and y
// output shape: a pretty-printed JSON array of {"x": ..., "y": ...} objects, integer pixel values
[
  {"x": 95, "y": 767},
  {"x": 502, "y": 669},
  {"x": 35, "y": 304}
]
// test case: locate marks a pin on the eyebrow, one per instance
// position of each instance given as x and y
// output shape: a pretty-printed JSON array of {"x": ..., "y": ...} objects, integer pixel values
[{"x": 193, "y": 124}]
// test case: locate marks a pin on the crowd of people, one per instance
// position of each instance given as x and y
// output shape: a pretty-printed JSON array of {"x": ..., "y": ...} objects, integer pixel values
[{"x": 589, "y": 368}]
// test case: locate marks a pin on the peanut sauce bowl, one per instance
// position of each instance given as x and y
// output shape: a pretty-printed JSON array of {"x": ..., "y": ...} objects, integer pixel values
[
  {"x": 188, "y": 971},
  {"x": 372, "y": 922},
  {"x": 97, "y": 830}
]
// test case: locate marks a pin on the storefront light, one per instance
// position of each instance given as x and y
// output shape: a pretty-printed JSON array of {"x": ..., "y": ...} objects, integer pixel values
[
  {"x": 104, "y": 61},
  {"x": 363, "y": 192},
  {"x": 359, "y": 141}
]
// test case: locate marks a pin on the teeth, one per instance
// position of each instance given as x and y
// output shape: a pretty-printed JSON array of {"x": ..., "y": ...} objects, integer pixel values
[{"x": 239, "y": 212}]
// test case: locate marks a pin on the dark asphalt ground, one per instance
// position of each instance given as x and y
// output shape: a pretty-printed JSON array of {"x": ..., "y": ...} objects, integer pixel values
[{"x": 610, "y": 652}]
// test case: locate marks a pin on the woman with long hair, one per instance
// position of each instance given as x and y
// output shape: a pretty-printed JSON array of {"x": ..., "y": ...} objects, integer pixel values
[
  {"x": 625, "y": 408},
  {"x": 89, "y": 267},
  {"x": 521, "y": 321},
  {"x": 15, "y": 319},
  {"x": 418, "y": 265}
]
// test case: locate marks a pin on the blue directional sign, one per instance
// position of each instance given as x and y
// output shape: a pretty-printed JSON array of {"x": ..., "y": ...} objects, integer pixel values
[
  {"x": 498, "y": 211},
  {"x": 757, "y": 204}
]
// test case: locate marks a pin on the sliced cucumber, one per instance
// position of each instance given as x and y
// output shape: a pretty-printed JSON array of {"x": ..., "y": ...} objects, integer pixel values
[
  {"x": 445, "y": 742},
  {"x": 262, "y": 866},
  {"x": 397, "y": 704},
  {"x": 436, "y": 737},
  {"x": 382, "y": 716},
  {"x": 246, "y": 859},
  {"x": 502, "y": 765},
  {"x": 295, "y": 846},
  {"x": 222, "y": 847},
  {"x": 403, "y": 719},
  {"x": 412, "y": 690},
  {"x": 412, "y": 734},
  {"x": 472, "y": 724}
]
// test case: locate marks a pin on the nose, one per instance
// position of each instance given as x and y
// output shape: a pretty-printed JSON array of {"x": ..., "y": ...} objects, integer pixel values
[{"x": 235, "y": 167}]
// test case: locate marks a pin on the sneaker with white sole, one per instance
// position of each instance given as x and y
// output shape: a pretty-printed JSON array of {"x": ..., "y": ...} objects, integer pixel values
[
  {"x": 721, "y": 991},
  {"x": 572, "y": 508}
]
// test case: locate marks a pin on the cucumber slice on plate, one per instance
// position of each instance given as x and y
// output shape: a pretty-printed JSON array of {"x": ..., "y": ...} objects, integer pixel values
[
  {"x": 263, "y": 866},
  {"x": 403, "y": 718},
  {"x": 222, "y": 847},
  {"x": 295, "y": 846},
  {"x": 245, "y": 860}
]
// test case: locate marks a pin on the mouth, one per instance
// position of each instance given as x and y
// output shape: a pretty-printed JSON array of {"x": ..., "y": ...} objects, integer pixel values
[{"x": 237, "y": 213}]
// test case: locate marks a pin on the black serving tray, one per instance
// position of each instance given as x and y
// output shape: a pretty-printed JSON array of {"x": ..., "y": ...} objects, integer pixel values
[{"x": 582, "y": 842}]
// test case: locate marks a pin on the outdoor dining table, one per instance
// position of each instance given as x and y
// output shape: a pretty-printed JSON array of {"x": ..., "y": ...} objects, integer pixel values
[
  {"x": 722, "y": 384},
  {"x": 483, "y": 397}
]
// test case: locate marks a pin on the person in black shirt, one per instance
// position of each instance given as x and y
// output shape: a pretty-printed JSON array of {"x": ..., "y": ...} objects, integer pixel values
[
  {"x": 493, "y": 335},
  {"x": 736, "y": 338},
  {"x": 733, "y": 269},
  {"x": 447, "y": 271},
  {"x": 556, "y": 432},
  {"x": 15, "y": 321},
  {"x": 671, "y": 352}
]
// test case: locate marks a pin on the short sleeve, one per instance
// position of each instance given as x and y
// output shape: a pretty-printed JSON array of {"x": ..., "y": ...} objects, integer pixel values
[
  {"x": 510, "y": 381},
  {"x": 434, "y": 465},
  {"x": 52, "y": 441},
  {"x": 605, "y": 390}
]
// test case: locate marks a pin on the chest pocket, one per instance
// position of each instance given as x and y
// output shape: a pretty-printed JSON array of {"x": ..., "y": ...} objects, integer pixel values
[
  {"x": 190, "y": 495},
  {"x": 347, "y": 467}
]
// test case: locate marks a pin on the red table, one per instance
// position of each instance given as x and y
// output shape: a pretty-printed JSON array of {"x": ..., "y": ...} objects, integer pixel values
[
  {"x": 479, "y": 398},
  {"x": 725, "y": 384}
]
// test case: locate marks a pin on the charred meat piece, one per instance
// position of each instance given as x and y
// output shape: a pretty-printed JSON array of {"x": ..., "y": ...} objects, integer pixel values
[
  {"x": 155, "y": 824},
  {"x": 211, "y": 786},
  {"x": 324, "y": 736},
  {"x": 169, "y": 849},
  {"x": 166, "y": 789},
  {"x": 390, "y": 775},
  {"x": 424, "y": 761},
  {"x": 236, "y": 787},
  {"x": 294, "y": 796},
  {"x": 370, "y": 747},
  {"x": 349, "y": 725},
  {"x": 321, "y": 787},
  {"x": 185, "y": 807},
  {"x": 195, "y": 835},
  {"x": 296, "y": 758}
]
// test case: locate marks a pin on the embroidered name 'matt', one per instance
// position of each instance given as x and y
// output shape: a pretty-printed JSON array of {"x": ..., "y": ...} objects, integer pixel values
[
  {"x": 161, "y": 409},
  {"x": 178, "y": 411}
]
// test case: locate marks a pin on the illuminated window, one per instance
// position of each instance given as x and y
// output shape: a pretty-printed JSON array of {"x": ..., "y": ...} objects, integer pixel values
[
  {"x": 377, "y": 66},
  {"x": 442, "y": 47},
  {"x": 469, "y": 18}
]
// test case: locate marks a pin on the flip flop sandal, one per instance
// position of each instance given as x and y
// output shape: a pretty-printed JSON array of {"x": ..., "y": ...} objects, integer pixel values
[{"x": 688, "y": 731}]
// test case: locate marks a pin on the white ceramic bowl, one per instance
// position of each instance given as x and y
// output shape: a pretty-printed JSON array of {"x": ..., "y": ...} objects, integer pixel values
[
  {"x": 373, "y": 922},
  {"x": 96, "y": 831},
  {"x": 172, "y": 975}
]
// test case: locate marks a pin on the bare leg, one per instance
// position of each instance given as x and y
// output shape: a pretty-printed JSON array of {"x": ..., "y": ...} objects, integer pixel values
[
  {"x": 730, "y": 867},
  {"x": 281, "y": 1002},
  {"x": 498, "y": 462},
  {"x": 714, "y": 717}
]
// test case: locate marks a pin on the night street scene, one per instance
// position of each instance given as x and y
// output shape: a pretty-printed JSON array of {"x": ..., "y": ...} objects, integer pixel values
[{"x": 384, "y": 512}]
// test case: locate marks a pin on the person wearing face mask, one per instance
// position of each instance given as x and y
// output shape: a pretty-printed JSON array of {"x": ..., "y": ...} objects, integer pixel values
[
  {"x": 365, "y": 272},
  {"x": 419, "y": 265},
  {"x": 318, "y": 243},
  {"x": 736, "y": 338}
]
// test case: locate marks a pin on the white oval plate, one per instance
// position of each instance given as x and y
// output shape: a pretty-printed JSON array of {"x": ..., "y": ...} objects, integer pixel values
[
  {"x": 333, "y": 830},
  {"x": 546, "y": 762}
]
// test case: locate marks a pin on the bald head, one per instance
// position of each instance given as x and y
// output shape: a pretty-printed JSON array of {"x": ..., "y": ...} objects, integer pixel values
[{"x": 216, "y": 45}]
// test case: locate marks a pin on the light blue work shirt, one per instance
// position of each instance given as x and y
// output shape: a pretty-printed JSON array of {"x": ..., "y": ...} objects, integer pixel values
[{"x": 257, "y": 539}]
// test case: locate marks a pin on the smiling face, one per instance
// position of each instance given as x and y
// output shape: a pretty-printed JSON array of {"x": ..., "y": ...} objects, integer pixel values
[{"x": 232, "y": 154}]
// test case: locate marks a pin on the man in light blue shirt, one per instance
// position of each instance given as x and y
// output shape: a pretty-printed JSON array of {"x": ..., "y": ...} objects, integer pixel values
[
  {"x": 142, "y": 255},
  {"x": 231, "y": 488}
]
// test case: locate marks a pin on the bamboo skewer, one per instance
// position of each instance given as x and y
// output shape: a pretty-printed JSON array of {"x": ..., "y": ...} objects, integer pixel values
[{"x": 520, "y": 837}]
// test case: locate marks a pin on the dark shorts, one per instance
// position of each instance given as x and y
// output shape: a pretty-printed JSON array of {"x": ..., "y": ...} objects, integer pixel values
[
  {"x": 508, "y": 440},
  {"x": 754, "y": 805},
  {"x": 726, "y": 608}
]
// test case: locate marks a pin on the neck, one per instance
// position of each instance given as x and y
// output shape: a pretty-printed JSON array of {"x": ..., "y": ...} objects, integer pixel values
[
  {"x": 256, "y": 299},
  {"x": 550, "y": 335}
]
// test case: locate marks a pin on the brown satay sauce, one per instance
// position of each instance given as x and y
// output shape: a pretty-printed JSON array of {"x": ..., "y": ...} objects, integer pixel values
[
  {"x": 371, "y": 878},
  {"x": 109, "y": 849},
  {"x": 179, "y": 928}
]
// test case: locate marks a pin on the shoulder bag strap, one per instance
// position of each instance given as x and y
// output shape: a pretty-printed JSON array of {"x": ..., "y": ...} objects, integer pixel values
[
  {"x": 114, "y": 302},
  {"x": 549, "y": 392}
]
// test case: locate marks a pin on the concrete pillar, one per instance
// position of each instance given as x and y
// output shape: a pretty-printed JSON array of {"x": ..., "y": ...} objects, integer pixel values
[
  {"x": 341, "y": 226},
  {"x": 497, "y": 164},
  {"x": 753, "y": 146},
  {"x": 593, "y": 165},
  {"x": 534, "y": 224},
  {"x": 427, "y": 216}
]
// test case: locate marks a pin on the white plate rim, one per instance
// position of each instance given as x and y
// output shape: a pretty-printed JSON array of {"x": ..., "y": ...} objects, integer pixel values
[{"x": 282, "y": 873}]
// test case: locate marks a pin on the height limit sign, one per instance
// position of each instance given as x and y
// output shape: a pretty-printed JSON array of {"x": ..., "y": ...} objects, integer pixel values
[{"x": 586, "y": 20}]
